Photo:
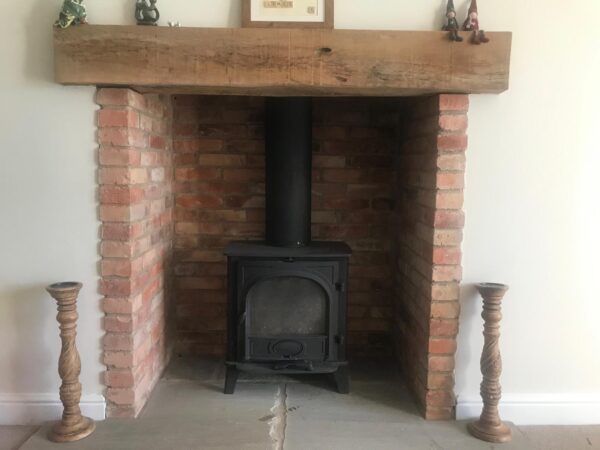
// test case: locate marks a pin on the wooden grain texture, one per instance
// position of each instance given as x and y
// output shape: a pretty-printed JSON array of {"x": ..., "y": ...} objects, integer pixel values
[
  {"x": 248, "y": 23},
  {"x": 73, "y": 426},
  {"x": 277, "y": 61}
]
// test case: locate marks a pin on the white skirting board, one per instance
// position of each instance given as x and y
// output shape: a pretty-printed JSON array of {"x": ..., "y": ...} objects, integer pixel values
[
  {"x": 538, "y": 409},
  {"x": 35, "y": 409}
]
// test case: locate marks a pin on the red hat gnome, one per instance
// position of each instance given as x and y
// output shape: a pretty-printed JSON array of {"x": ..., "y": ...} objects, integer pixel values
[
  {"x": 472, "y": 24},
  {"x": 452, "y": 24}
]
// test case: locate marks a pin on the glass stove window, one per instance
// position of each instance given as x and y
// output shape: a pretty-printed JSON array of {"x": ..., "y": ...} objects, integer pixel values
[{"x": 287, "y": 306}]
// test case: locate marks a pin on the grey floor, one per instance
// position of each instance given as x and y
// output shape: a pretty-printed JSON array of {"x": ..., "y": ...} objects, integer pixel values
[{"x": 188, "y": 411}]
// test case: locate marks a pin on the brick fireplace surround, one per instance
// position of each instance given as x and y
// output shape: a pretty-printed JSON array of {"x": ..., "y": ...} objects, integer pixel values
[{"x": 181, "y": 176}]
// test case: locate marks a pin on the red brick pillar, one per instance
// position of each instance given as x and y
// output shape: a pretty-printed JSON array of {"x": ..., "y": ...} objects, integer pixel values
[
  {"x": 135, "y": 191},
  {"x": 430, "y": 181}
]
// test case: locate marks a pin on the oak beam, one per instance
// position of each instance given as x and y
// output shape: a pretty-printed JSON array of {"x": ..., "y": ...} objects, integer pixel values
[{"x": 254, "y": 61}]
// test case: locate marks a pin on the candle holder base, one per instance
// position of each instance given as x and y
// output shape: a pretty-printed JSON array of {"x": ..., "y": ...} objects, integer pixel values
[
  {"x": 497, "y": 434},
  {"x": 61, "y": 432}
]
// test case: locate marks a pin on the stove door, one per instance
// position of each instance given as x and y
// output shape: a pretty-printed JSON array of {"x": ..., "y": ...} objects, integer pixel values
[{"x": 290, "y": 310}]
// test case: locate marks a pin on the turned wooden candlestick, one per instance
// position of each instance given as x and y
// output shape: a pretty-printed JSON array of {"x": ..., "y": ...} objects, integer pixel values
[
  {"x": 73, "y": 425},
  {"x": 489, "y": 427}
]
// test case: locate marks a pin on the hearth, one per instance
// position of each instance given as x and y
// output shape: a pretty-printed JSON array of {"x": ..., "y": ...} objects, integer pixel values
[{"x": 287, "y": 295}]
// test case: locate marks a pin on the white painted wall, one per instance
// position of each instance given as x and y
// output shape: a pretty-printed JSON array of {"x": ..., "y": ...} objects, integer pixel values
[{"x": 532, "y": 202}]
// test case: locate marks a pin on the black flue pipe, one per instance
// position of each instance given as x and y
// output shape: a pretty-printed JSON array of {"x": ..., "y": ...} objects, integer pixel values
[{"x": 288, "y": 147}]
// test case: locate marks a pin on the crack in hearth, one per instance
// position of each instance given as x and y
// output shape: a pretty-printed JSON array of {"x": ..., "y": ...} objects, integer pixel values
[{"x": 278, "y": 421}]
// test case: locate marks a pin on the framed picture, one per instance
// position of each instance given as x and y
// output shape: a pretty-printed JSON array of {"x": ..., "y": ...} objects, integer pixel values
[{"x": 287, "y": 13}]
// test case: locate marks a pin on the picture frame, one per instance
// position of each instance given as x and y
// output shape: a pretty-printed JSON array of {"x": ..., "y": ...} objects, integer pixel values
[{"x": 257, "y": 14}]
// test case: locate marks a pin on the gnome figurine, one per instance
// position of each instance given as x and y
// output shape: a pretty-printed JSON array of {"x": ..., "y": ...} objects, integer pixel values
[
  {"x": 71, "y": 13},
  {"x": 146, "y": 12},
  {"x": 472, "y": 24},
  {"x": 452, "y": 24}
]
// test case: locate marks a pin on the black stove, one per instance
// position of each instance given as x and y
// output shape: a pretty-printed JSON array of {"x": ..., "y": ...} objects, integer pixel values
[{"x": 287, "y": 295}]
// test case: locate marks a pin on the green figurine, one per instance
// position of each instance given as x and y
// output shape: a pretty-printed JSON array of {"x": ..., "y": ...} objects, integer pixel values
[{"x": 72, "y": 13}]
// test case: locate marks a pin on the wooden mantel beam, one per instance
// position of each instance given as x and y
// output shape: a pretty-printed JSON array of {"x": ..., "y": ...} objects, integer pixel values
[{"x": 243, "y": 61}]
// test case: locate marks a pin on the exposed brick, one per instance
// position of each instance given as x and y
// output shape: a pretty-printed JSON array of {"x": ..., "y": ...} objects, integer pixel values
[
  {"x": 449, "y": 219},
  {"x": 120, "y": 97},
  {"x": 192, "y": 174},
  {"x": 444, "y": 381},
  {"x": 244, "y": 175},
  {"x": 221, "y": 160},
  {"x": 449, "y": 199},
  {"x": 158, "y": 142},
  {"x": 454, "y": 102},
  {"x": 450, "y": 180},
  {"x": 121, "y": 195},
  {"x": 451, "y": 161},
  {"x": 119, "y": 156},
  {"x": 453, "y": 122},
  {"x": 119, "y": 360},
  {"x": 324, "y": 161},
  {"x": 442, "y": 346},
  {"x": 439, "y": 327},
  {"x": 342, "y": 175},
  {"x": 113, "y": 342},
  {"x": 121, "y": 397},
  {"x": 199, "y": 201},
  {"x": 440, "y": 398},
  {"x": 128, "y": 118},
  {"x": 441, "y": 363},
  {"x": 116, "y": 249},
  {"x": 443, "y": 237},
  {"x": 125, "y": 268},
  {"x": 452, "y": 143},
  {"x": 125, "y": 137},
  {"x": 447, "y": 273},
  {"x": 197, "y": 145},
  {"x": 447, "y": 255},
  {"x": 136, "y": 207},
  {"x": 445, "y": 310},
  {"x": 123, "y": 176},
  {"x": 445, "y": 291},
  {"x": 122, "y": 213},
  {"x": 122, "y": 231}
]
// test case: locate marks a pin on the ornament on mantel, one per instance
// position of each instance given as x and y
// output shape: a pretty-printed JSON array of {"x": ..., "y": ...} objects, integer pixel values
[
  {"x": 452, "y": 24},
  {"x": 472, "y": 24},
  {"x": 72, "y": 13},
  {"x": 146, "y": 12}
]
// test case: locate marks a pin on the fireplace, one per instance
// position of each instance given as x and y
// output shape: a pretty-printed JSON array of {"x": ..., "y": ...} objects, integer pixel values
[
  {"x": 185, "y": 179},
  {"x": 287, "y": 295}
]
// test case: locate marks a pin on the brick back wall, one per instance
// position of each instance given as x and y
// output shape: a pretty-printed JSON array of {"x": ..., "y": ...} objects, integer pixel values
[
  {"x": 428, "y": 219},
  {"x": 219, "y": 196},
  {"x": 136, "y": 210}
]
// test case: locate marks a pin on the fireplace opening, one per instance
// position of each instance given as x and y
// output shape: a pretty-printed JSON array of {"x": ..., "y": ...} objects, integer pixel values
[{"x": 184, "y": 179}]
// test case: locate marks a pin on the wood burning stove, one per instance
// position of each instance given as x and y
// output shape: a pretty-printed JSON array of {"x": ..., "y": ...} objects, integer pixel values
[{"x": 287, "y": 295}]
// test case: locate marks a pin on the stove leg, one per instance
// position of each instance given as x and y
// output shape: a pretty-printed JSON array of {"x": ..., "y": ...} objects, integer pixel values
[
  {"x": 230, "y": 379},
  {"x": 342, "y": 380}
]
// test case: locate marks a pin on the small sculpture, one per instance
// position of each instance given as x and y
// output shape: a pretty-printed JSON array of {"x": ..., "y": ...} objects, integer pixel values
[
  {"x": 72, "y": 13},
  {"x": 452, "y": 25},
  {"x": 146, "y": 12},
  {"x": 472, "y": 24}
]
